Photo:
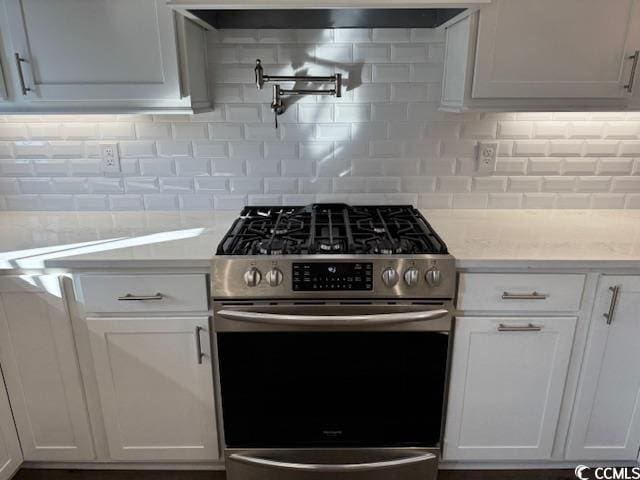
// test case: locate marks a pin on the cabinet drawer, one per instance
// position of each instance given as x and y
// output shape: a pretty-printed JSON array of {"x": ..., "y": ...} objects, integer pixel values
[
  {"x": 143, "y": 293},
  {"x": 515, "y": 292}
]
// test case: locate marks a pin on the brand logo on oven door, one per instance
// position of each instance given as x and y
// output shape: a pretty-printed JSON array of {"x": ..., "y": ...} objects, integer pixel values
[{"x": 332, "y": 433}]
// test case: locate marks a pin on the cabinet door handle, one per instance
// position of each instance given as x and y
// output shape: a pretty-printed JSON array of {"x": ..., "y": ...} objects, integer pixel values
[
  {"x": 130, "y": 296},
  {"x": 524, "y": 296},
  {"x": 23, "y": 85},
  {"x": 615, "y": 293},
  {"x": 199, "y": 353},
  {"x": 519, "y": 328},
  {"x": 635, "y": 57}
]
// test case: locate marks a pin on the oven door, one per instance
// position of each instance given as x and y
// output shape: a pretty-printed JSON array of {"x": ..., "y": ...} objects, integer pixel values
[{"x": 373, "y": 376}]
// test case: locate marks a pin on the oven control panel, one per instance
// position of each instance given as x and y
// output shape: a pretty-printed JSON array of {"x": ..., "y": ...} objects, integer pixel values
[{"x": 326, "y": 276}]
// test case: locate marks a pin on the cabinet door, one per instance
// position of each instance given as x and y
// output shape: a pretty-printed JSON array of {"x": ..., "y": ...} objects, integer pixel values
[
  {"x": 95, "y": 50},
  {"x": 555, "y": 48},
  {"x": 507, "y": 381},
  {"x": 157, "y": 394},
  {"x": 606, "y": 418},
  {"x": 10, "y": 453},
  {"x": 40, "y": 367}
]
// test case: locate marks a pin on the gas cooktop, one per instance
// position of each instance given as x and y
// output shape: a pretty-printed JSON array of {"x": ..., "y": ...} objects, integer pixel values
[{"x": 331, "y": 229}]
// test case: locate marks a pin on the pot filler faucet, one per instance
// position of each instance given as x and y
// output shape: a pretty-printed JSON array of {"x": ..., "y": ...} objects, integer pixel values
[{"x": 277, "y": 103}]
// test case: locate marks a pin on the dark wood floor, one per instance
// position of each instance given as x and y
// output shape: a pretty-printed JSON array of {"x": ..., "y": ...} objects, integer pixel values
[{"x": 37, "y": 474}]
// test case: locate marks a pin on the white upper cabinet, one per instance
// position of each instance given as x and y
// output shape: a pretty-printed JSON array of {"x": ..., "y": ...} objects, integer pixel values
[
  {"x": 10, "y": 453},
  {"x": 555, "y": 48},
  {"x": 544, "y": 55},
  {"x": 507, "y": 382},
  {"x": 606, "y": 418},
  {"x": 97, "y": 55},
  {"x": 41, "y": 371},
  {"x": 155, "y": 378}
]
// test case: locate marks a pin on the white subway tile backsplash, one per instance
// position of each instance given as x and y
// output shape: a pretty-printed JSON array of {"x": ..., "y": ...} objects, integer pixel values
[
  {"x": 126, "y": 202},
  {"x": 530, "y": 148},
  {"x": 263, "y": 167},
  {"x": 105, "y": 185},
  {"x": 69, "y": 185},
  {"x": 614, "y": 166},
  {"x": 177, "y": 184},
  {"x": 591, "y": 129},
  {"x": 509, "y": 129},
  {"x": 505, "y": 200},
  {"x": 383, "y": 141},
  {"x": 91, "y": 202},
  {"x": 583, "y": 166},
  {"x": 244, "y": 185},
  {"x": 409, "y": 53},
  {"x": 573, "y": 200},
  {"x": 540, "y": 166},
  {"x": 141, "y": 184},
  {"x": 566, "y": 148},
  {"x": 195, "y": 202},
  {"x": 211, "y": 184},
  {"x": 36, "y": 185},
  {"x": 630, "y": 148},
  {"x": 593, "y": 184},
  {"x": 281, "y": 185},
  {"x": 390, "y": 73},
  {"x": 539, "y": 200},
  {"x": 51, "y": 167},
  {"x": 335, "y": 131},
  {"x": 550, "y": 130},
  {"x": 607, "y": 200}
]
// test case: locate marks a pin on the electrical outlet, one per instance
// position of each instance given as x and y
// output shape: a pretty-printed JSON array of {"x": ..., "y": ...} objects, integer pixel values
[
  {"x": 110, "y": 157},
  {"x": 487, "y": 154}
]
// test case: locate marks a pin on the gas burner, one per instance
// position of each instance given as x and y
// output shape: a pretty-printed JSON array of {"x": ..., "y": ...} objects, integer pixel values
[
  {"x": 329, "y": 247},
  {"x": 272, "y": 246},
  {"x": 331, "y": 229}
]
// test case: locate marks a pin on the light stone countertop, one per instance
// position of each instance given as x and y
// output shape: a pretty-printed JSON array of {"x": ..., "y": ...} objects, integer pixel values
[{"x": 479, "y": 239}]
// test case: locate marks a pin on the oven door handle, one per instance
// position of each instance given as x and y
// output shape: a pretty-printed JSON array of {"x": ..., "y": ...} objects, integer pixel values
[
  {"x": 333, "y": 320},
  {"x": 321, "y": 467}
]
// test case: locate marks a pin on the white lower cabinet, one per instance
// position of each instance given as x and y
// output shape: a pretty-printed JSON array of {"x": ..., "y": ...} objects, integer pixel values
[
  {"x": 10, "y": 453},
  {"x": 507, "y": 381},
  {"x": 156, "y": 389},
  {"x": 606, "y": 417},
  {"x": 40, "y": 368}
]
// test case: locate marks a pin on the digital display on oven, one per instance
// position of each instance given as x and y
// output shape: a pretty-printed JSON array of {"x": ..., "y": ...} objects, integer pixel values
[{"x": 326, "y": 276}]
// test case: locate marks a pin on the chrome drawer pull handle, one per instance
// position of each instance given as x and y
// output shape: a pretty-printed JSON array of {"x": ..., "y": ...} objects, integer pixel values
[
  {"x": 524, "y": 296},
  {"x": 23, "y": 85},
  {"x": 130, "y": 296},
  {"x": 519, "y": 328},
  {"x": 635, "y": 57},
  {"x": 612, "y": 306},
  {"x": 321, "y": 467}
]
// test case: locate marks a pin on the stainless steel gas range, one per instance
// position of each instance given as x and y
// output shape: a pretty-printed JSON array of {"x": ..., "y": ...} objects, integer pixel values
[{"x": 331, "y": 325}]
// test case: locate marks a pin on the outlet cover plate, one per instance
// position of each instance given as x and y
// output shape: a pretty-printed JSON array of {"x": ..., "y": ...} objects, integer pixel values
[
  {"x": 110, "y": 157},
  {"x": 487, "y": 155}
]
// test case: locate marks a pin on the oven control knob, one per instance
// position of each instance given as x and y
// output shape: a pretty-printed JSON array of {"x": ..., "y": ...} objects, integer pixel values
[
  {"x": 411, "y": 277},
  {"x": 390, "y": 277},
  {"x": 252, "y": 277},
  {"x": 433, "y": 277},
  {"x": 274, "y": 277}
]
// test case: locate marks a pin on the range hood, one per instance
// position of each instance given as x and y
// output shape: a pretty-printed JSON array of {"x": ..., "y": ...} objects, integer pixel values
[{"x": 307, "y": 14}]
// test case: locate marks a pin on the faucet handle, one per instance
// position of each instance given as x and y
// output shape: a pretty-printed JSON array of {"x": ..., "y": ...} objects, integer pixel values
[
  {"x": 259, "y": 74},
  {"x": 277, "y": 106}
]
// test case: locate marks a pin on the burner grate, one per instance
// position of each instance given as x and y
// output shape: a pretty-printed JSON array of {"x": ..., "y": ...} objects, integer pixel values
[{"x": 331, "y": 229}]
